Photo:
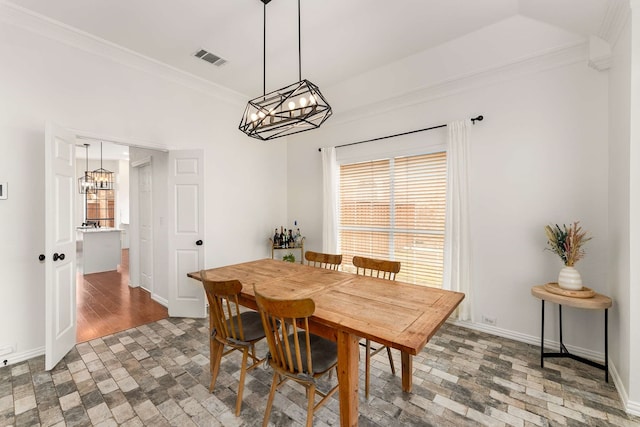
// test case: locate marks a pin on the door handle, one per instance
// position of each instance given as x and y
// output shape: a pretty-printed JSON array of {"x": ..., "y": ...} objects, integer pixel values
[
  {"x": 199, "y": 242},
  {"x": 41, "y": 257},
  {"x": 58, "y": 257}
]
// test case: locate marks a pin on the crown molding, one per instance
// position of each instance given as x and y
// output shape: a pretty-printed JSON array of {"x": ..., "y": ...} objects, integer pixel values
[
  {"x": 57, "y": 31},
  {"x": 614, "y": 21},
  {"x": 532, "y": 64},
  {"x": 600, "y": 57}
]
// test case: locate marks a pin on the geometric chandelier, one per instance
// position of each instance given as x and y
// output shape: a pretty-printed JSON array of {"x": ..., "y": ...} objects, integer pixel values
[
  {"x": 86, "y": 184},
  {"x": 103, "y": 178},
  {"x": 295, "y": 108}
]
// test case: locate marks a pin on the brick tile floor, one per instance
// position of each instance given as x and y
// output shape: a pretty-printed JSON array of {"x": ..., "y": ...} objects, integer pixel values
[{"x": 158, "y": 374}]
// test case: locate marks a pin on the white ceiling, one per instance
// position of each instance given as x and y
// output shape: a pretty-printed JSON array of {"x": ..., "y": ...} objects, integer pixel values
[{"x": 340, "y": 38}]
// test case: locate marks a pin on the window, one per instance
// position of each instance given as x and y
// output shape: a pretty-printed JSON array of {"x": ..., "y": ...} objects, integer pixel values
[
  {"x": 395, "y": 209},
  {"x": 100, "y": 208}
]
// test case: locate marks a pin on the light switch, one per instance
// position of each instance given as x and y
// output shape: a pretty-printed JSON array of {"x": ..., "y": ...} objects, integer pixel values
[{"x": 4, "y": 192}]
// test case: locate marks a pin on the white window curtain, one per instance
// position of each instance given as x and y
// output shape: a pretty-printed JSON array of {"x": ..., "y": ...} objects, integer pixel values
[
  {"x": 330, "y": 176},
  {"x": 457, "y": 257}
]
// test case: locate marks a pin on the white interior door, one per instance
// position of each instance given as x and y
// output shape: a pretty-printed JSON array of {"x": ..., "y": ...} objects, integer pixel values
[
  {"x": 60, "y": 244},
  {"x": 186, "y": 232},
  {"x": 145, "y": 221}
]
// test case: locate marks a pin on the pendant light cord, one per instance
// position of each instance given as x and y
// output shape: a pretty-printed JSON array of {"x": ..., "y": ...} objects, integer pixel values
[
  {"x": 264, "y": 50},
  {"x": 86, "y": 160},
  {"x": 299, "y": 47}
]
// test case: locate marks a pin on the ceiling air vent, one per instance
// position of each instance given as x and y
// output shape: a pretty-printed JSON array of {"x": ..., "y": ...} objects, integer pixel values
[{"x": 210, "y": 57}]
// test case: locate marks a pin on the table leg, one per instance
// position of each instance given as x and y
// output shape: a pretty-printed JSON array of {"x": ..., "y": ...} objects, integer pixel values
[
  {"x": 606, "y": 344},
  {"x": 542, "y": 338},
  {"x": 560, "y": 313},
  {"x": 407, "y": 372},
  {"x": 348, "y": 352}
]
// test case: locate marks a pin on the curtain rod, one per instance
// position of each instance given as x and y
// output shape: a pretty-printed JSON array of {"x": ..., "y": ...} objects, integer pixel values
[{"x": 473, "y": 121}]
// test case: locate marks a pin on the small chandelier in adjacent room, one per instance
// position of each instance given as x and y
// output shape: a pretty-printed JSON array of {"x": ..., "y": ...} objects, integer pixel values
[
  {"x": 103, "y": 178},
  {"x": 86, "y": 184},
  {"x": 292, "y": 109}
]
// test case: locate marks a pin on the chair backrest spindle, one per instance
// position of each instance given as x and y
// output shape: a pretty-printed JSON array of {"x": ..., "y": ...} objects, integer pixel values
[
  {"x": 224, "y": 308},
  {"x": 287, "y": 351},
  {"x": 318, "y": 259},
  {"x": 379, "y": 268}
]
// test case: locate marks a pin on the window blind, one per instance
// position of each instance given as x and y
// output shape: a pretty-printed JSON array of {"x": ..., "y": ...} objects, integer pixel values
[{"x": 395, "y": 209}]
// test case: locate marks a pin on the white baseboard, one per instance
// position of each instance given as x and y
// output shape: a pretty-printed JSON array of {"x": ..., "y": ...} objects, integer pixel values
[
  {"x": 14, "y": 358},
  {"x": 631, "y": 407},
  {"x": 160, "y": 300},
  {"x": 531, "y": 339}
]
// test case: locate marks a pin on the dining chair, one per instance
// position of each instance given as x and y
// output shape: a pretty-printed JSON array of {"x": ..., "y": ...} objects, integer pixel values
[
  {"x": 299, "y": 356},
  {"x": 239, "y": 331},
  {"x": 382, "y": 269},
  {"x": 318, "y": 259}
]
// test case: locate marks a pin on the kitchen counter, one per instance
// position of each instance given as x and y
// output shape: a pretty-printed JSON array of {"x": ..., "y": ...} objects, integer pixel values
[{"x": 99, "y": 249}]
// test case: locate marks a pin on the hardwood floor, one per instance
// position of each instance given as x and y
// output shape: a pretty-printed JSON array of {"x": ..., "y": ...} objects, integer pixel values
[{"x": 106, "y": 304}]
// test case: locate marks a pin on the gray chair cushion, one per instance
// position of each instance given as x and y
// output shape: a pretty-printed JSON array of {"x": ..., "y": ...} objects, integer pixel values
[
  {"x": 251, "y": 325},
  {"x": 324, "y": 353}
]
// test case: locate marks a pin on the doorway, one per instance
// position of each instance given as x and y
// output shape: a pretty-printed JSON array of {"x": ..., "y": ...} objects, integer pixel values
[
  {"x": 109, "y": 301},
  {"x": 106, "y": 304}
]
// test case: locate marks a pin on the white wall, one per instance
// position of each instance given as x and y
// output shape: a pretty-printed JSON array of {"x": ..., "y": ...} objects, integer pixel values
[
  {"x": 539, "y": 157},
  {"x": 42, "y": 79},
  {"x": 634, "y": 212},
  {"x": 619, "y": 194}
]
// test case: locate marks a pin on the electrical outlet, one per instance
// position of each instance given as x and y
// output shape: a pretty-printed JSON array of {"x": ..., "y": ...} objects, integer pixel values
[{"x": 489, "y": 320}]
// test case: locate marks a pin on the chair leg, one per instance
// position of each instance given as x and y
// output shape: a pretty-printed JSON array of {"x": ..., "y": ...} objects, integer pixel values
[
  {"x": 215, "y": 356},
  {"x": 272, "y": 393},
  {"x": 367, "y": 368},
  {"x": 311, "y": 391},
  {"x": 393, "y": 368},
  {"x": 243, "y": 373}
]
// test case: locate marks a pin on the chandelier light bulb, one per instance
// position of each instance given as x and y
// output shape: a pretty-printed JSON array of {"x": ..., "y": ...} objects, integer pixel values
[
  {"x": 312, "y": 100},
  {"x": 303, "y": 102},
  {"x": 254, "y": 117},
  {"x": 261, "y": 114},
  {"x": 292, "y": 105}
]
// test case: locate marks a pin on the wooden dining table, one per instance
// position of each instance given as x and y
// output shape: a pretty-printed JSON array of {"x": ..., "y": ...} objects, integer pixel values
[{"x": 349, "y": 307}]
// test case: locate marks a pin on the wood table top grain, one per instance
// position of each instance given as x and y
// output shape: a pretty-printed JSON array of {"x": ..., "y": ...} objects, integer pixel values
[
  {"x": 597, "y": 302},
  {"x": 396, "y": 314}
]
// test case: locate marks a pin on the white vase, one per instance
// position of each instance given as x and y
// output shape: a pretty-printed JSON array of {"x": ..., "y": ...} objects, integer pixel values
[{"x": 569, "y": 278}]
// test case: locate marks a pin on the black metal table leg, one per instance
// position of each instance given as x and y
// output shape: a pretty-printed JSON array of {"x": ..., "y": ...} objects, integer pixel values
[
  {"x": 542, "y": 338},
  {"x": 560, "y": 312},
  {"x": 598, "y": 302},
  {"x": 606, "y": 344}
]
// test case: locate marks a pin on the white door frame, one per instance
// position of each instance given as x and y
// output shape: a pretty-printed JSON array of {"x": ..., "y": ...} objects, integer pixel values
[{"x": 134, "y": 250}]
